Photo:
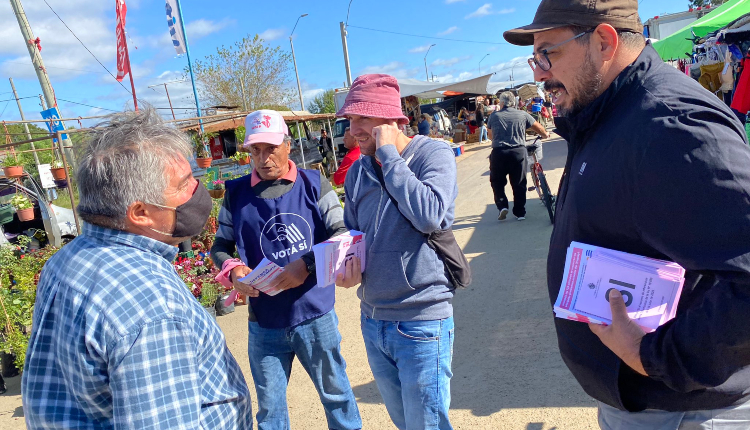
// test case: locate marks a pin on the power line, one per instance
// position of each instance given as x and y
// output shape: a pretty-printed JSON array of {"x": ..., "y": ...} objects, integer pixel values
[
  {"x": 54, "y": 67},
  {"x": 85, "y": 47},
  {"x": 84, "y": 104},
  {"x": 428, "y": 37},
  {"x": 20, "y": 98}
]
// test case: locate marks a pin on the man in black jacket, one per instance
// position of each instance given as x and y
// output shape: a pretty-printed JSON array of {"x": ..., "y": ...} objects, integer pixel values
[{"x": 657, "y": 166}]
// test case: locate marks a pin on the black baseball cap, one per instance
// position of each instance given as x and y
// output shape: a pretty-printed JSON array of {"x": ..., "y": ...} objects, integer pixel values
[{"x": 551, "y": 14}]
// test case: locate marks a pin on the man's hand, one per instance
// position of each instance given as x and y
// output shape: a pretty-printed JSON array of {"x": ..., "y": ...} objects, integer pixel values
[
  {"x": 624, "y": 336},
  {"x": 238, "y": 273},
  {"x": 352, "y": 274},
  {"x": 293, "y": 276},
  {"x": 386, "y": 134}
]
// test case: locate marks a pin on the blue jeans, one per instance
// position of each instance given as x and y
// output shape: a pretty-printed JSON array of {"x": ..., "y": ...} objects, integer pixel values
[
  {"x": 483, "y": 133},
  {"x": 411, "y": 362},
  {"x": 316, "y": 343},
  {"x": 732, "y": 418}
]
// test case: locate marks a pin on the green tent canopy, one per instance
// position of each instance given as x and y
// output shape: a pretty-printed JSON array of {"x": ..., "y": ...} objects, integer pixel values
[{"x": 680, "y": 44}]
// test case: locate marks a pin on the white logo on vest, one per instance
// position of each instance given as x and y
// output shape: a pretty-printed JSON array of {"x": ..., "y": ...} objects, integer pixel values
[{"x": 284, "y": 236}]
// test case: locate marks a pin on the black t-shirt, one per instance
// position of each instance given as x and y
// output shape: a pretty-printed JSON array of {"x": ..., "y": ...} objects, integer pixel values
[{"x": 480, "y": 117}]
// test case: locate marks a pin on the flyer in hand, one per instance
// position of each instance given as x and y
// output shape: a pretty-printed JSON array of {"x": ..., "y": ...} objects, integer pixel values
[
  {"x": 650, "y": 288},
  {"x": 331, "y": 255},
  {"x": 260, "y": 278}
]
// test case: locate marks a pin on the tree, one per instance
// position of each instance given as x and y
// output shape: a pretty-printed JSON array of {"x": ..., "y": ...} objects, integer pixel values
[
  {"x": 702, "y": 3},
  {"x": 249, "y": 67},
  {"x": 323, "y": 103}
]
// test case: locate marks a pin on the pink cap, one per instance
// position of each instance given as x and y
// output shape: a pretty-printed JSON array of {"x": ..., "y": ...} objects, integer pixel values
[
  {"x": 376, "y": 96},
  {"x": 265, "y": 126}
]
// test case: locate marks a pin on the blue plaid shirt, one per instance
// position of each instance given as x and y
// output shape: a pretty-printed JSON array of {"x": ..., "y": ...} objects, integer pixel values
[{"x": 119, "y": 342}]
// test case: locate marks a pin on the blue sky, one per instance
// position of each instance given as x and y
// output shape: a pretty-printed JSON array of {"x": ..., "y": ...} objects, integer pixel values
[{"x": 77, "y": 77}]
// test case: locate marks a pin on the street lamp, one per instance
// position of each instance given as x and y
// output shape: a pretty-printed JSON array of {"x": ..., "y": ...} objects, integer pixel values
[
  {"x": 294, "y": 59},
  {"x": 480, "y": 63},
  {"x": 425, "y": 62}
]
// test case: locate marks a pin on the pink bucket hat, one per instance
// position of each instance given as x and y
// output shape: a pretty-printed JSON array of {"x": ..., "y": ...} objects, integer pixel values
[
  {"x": 376, "y": 96},
  {"x": 265, "y": 126}
]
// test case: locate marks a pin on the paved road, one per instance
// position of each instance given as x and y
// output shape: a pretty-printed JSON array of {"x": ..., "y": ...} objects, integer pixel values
[{"x": 507, "y": 370}]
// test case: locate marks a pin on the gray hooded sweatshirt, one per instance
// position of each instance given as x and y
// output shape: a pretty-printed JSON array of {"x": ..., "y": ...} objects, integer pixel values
[{"x": 404, "y": 279}]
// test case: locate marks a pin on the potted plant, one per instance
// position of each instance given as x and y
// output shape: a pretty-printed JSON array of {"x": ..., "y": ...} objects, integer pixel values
[
  {"x": 19, "y": 275},
  {"x": 199, "y": 276},
  {"x": 58, "y": 170},
  {"x": 216, "y": 189},
  {"x": 12, "y": 167},
  {"x": 243, "y": 158},
  {"x": 202, "y": 155},
  {"x": 24, "y": 207}
]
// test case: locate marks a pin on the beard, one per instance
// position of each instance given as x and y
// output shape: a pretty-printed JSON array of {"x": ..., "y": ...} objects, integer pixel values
[{"x": 587, "y": 87}]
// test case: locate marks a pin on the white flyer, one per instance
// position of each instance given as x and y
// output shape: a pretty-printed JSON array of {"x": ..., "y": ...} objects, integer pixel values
[{"x": 332, "y": 254}]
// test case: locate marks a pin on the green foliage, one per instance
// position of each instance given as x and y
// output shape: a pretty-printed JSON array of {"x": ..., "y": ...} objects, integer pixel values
[
  {"x": 238, "y": 156},
  {"x": 20, "y": 202},
  {"x": 250, "y": 67},
  {"x": 323, "y": 103},
  {"x": 239, "y": 135},
  {"x": 18, "y": 133},
  {"x": 19, "y": 275},
  {"x": 200, "y": 142},
  {"x": 11, "y": 160}
]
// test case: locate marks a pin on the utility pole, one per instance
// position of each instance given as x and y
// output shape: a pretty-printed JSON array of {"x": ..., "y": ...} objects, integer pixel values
[
  {"x": 36, "y": 59},
  {"x": 346, "y": 54},
  {"x": 294, "y": 59},
  {"x": 25, "y": 126},
  {"x": 427, "y": 76},
  {"x": 167, "y": 91},
  {"x": 41, "y": 102},
  {"x": 36, "y": 56}
]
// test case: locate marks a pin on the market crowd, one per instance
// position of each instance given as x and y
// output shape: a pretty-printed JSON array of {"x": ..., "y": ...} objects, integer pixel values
[{"x": 657, "y": 166}]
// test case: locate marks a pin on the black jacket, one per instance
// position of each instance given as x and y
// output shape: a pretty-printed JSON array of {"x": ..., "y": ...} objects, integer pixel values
[{"x": 660, "y": 167}]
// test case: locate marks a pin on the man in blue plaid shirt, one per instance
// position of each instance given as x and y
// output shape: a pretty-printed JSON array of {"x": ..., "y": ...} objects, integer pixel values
[{"x": 118, "y": 340}]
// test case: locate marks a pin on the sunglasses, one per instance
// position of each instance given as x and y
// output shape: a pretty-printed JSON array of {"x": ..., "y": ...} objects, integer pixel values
[{"x": 541, "y": 59}]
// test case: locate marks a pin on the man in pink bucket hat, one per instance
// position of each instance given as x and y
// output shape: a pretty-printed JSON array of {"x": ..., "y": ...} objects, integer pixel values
[
  {"x": 401, "y": 191},
  {"x": 279, "y": 212}
]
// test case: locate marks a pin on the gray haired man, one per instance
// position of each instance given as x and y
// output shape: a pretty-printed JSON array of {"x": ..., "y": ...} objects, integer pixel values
[
  {"x": 118, "y": 340},
  {"x": 508, "y": 158}
]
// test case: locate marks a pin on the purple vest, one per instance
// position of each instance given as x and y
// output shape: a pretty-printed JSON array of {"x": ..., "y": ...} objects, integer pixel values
[{"x": 282, "y": 230}]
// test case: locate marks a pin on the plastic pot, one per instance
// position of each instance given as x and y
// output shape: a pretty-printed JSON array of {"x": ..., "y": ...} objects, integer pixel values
[
  {"x": 244, "y": 161},
  {"x": 204, "y": 163},
  {"x": 25, "y": 214},
  {"x": 13, "y": 171},
  {"x": 59, "y": 173}
]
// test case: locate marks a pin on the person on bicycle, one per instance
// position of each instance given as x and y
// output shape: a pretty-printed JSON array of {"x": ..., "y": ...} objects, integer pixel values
[{"x": 508, "y": 158}]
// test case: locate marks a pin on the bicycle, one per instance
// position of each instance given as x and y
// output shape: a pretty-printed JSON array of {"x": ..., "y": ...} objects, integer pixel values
[{"x": 540, "y": 181}]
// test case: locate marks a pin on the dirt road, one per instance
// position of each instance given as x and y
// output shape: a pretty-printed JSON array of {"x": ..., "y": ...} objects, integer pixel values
[{"x": 507, "y": 370}]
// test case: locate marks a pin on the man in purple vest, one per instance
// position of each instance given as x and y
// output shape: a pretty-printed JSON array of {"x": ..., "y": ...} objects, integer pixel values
[{"x": 279, "y": 212}]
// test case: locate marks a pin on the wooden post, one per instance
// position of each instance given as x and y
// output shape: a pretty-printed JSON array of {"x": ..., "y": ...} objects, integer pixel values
[{"x": 70, "y": 182}]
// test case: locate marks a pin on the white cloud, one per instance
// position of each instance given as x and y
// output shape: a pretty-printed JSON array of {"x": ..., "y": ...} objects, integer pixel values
[
  {"x": 272, "y": 34},
  {"x": 486, "y": 9},
  {"x": 204, "y": 27},
  {"x": 422, "y": 48},
  {"x": 449, "y": 62},
  {"x": 394, "y": 68},
  {"x": 448, "y": 31}
]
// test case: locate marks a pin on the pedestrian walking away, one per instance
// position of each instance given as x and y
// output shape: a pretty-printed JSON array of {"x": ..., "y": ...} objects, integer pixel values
[
  {"x": 279, "y": 212},
  {"x": 118, "y": 340},
  {"x": 508, "y": 158},
  {"x": 398, "y": 193},
  {"x": 659, "y": 167}
]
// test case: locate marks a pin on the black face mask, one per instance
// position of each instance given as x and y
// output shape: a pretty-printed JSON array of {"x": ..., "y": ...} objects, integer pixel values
[{"x": 191, "y": 216}]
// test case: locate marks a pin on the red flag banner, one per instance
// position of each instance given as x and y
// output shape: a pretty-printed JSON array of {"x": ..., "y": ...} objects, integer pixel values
[{"x": 123, "y": 65}]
